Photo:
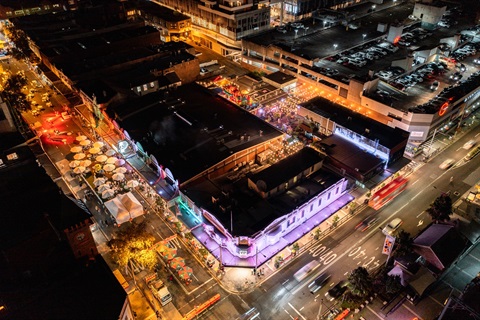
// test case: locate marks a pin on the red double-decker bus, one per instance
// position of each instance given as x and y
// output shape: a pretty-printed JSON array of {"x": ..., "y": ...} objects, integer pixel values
[{"x": 387, "y": 193}]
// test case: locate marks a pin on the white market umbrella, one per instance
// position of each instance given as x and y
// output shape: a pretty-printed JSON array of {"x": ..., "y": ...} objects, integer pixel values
[
  {"x": 110, "y": 152},
  {"x": 79, "y": 170},
  {"x": 94, "y": 150},
  {"x": 120, "y": 162},
  {"x": 109, "y": 167},
  {"x": 81, "y": 138},
  {"x": 108, "y": 193},
  {"x": 79, "y": 156},
  {"x": 103, "y": 187},
  {"x": 102, "y": 158},
  {"x": 118, "y": 176},
  {"x": 112, "y": 160},
  {"x": 85, "y": 163},
  {"x": 74, "y": 163},
  {"x": 99, "y": 181},
  {"x": 85, "y": 142},
  {"x": 76, "y": 149},
  {"x": 120, "y": 170},
  {"x": 132, "y": 183},
  {"x": 98, "y": 144}
]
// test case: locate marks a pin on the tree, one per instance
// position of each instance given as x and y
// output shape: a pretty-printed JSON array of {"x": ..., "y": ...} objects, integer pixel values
[
  {"x": 392, "y": 284},
  {"x": 403, "y": 244},
  {"x": 21, "y": 50},
  {"x": 360, "y": 282},
  {"x": 133, "y": 243},
  {"x": 12, "y": 91},
  {"x": 441, "y": 209}
]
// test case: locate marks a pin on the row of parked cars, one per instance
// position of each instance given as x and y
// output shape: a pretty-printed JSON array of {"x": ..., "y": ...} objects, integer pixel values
[
  {"x": 413, "y": 36},
  {"x": 450, "y": 93},
  {"x": 421, "y": 74},
  {"x": 360, "y": 57},
  {"x": 465, "y": 51}
]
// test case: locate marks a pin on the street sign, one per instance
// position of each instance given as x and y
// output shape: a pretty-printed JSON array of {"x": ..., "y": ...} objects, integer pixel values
[{"x": 388, "y": 245}]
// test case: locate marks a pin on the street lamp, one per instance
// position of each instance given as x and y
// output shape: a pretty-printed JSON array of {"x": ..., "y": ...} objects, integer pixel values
[
  {"x": 335, "y": 46},
  {"x": 364, "y": 35}
]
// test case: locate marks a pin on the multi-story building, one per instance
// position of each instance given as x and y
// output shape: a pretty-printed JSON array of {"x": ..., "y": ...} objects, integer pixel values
[
  {"x": 172, "y": 25},
  {"x": 212, "y": 153},
  {"x": 422, "y": 115},
  {"x": 220, "y": 25}
]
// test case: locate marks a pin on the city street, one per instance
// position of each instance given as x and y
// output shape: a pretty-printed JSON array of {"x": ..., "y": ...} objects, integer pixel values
[{"x": 276, "y": 294}]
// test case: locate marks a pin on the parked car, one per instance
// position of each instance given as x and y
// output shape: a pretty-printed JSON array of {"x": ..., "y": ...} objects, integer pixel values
[
  {"x": 337, "y": 291},
  {"x": 434, "y": 85},
  {"x": 456, "y": 76},
  {"x": 392, "y": 226},
  {"x": 318, "y": 283}
]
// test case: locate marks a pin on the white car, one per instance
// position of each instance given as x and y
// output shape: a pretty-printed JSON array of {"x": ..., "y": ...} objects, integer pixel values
[
  {"x": 392, "y": 226},
  {"x": 469, "y": 144},
  {"x": 446, "y": 164}
]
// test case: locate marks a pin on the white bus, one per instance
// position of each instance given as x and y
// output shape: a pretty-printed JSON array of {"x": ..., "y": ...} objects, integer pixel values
[{"x": 306, "y": 270}]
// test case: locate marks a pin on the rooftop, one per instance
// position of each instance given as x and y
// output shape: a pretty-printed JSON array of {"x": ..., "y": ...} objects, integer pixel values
[
  {"x": 38, "y": 270},
  {"x": 349, "y": 154},
  {"x": 161, "y": 12},
  {"x": 387, "y": 136},
  {"x": 280, "y": 77},
  {"x": 192, "y": 129},
  {"x": 287, "y": 168},
  {"x": 245, "y": 210}
]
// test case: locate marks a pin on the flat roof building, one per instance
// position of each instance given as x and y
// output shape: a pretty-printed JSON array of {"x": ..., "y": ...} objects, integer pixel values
[{"x": 378, "y": 139}]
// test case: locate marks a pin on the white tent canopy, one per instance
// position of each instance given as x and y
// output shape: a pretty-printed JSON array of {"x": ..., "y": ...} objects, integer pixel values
[{"x": 124, "y": 207}]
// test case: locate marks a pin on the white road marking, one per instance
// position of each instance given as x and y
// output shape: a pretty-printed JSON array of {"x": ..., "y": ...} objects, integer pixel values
[
  {"x": 413, "y": 312},
  {"x": 373, "y": 311},
  {"x": 297, "y": 311},
  {"x": 414, "y": 182},
  {"x": 435, "y": 300},
  {"x": 474, "y": 257}
]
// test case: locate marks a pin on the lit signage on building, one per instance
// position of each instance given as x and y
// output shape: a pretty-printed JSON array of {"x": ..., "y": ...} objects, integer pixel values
[{"x": 443, "y": 108}]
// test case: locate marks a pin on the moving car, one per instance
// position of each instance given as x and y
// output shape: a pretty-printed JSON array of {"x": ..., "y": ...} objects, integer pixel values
[
  {"x": 469, "y": 144},
  {"x": 472, "y": 153},
  {"x": 434, "y": 85},
  {"x": 318, "y": 283},
  {"x": 392, "y": 226},
  {"x": 366, "y": 223},
  {"x": 337, "y": 290},
  {"x": 446, "y": 164}
]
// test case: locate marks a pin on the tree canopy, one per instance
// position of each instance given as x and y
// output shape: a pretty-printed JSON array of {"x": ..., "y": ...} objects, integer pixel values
[
  {"x": 441, "y": 209},
  {"x": 134, "y": 242},
  {"x": 403, "y": 244},
  {"x": 360, "y": 282},
  {"x": 12, "y": 91},
  {"x": 21, "y": 49}
]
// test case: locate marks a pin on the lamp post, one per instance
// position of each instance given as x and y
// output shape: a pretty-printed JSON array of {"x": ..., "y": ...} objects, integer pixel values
[
  {"x": 335, "y": 47},
  {"x": 364, "y": 35}
]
